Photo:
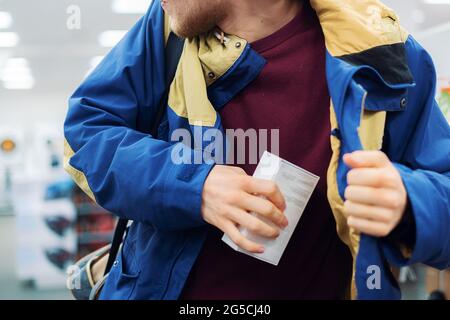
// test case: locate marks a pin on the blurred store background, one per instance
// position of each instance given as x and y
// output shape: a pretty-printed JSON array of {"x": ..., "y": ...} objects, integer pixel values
[{"x": 47, "y": 47}]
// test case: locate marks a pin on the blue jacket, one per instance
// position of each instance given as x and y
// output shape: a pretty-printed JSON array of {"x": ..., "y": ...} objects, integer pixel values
[{"x": 382, "y": 87}]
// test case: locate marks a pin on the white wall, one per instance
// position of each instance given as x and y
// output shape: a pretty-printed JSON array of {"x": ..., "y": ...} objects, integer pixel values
[
  {"x": 437, "y": 42},
  {"x": 27, "y": 108}
]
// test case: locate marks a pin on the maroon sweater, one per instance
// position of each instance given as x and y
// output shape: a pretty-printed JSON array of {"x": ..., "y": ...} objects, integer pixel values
[{"x": 290, "y": 94}]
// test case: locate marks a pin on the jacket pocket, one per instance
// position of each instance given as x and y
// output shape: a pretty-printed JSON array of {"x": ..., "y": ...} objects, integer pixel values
[{"x": 128, "y": 273}]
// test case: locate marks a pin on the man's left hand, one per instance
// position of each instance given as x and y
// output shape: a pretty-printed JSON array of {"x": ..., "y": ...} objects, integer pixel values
[{"x": 376, "y": 198}]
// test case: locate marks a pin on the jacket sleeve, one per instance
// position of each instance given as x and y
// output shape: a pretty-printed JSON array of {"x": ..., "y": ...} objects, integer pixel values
[
  {"x": 108, "y": 149},
  {"x": 425, "y": 170}
]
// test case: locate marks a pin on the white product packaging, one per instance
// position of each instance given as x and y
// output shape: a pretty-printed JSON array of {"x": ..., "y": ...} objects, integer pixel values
[{"x": 297, "y": 186}]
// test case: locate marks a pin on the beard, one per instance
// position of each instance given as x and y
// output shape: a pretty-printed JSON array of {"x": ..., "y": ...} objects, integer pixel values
[{"x": 191, "y": 18}]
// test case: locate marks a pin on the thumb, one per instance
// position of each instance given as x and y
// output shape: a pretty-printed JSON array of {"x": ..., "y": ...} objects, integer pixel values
[{"x": 366, "y": 159}]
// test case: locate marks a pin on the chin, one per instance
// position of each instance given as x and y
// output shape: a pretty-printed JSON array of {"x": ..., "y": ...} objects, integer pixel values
[{"x": 175, "y": 27}]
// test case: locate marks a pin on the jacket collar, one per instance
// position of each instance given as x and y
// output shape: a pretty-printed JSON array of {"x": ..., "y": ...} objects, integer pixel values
[
  {"x": 365, "y": 33},
  {"x": 359, "y": 35}
]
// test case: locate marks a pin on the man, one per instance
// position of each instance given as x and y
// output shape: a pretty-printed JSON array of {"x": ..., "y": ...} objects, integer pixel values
[{"x": 383, "y": 196}]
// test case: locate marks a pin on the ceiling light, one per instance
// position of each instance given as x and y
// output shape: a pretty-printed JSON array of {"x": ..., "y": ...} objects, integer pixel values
[
  {"x": 8, "y": 39},
  {"x": 23, "y": 84},
  {"x": 131, "y": 6},
  {"x": 14, "y": 67},
  {"x": 5, "y": 20},
  {"x": 16, "y": 74},
  {"x": 16, "y": 63},
  {"x": 110, "y": 38}
]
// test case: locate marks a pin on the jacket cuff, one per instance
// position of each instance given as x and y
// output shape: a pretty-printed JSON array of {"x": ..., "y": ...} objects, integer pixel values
[
  {"x": 404, "y": 235},
  {"x": 417, "y": 221},
  {"x": 182, "y": 196}
]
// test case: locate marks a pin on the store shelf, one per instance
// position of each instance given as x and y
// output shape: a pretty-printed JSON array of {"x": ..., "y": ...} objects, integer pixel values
[{"x": 94, "y": 225}]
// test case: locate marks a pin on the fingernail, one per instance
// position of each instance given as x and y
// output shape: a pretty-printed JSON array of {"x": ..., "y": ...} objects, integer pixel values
[{"x": 261, "y": 250}]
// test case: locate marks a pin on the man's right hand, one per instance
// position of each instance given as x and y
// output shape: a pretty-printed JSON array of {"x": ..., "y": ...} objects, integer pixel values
[{"x": 230, "y": 195}]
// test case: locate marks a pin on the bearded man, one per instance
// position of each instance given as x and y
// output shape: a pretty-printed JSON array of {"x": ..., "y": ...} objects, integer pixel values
[{"x": 351, "y": 94}]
